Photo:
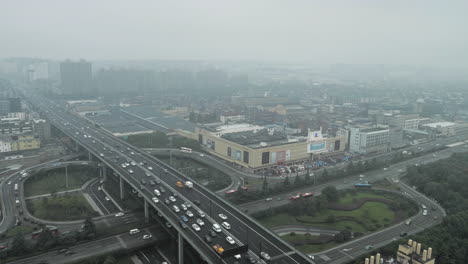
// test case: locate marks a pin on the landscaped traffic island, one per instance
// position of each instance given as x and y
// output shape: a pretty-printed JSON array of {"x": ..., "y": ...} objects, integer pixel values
[{"x": 309, "y": 223}]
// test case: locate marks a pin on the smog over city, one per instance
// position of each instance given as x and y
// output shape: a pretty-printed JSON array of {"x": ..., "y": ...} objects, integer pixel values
[{"x": 282, "y": 132}]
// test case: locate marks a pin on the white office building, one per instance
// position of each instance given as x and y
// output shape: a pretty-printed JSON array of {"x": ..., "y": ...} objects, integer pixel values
[{"x": 369, "y": 140}]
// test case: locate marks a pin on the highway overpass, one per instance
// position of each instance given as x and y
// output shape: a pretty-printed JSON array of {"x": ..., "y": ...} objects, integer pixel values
[{"x": 113, "y": 152}]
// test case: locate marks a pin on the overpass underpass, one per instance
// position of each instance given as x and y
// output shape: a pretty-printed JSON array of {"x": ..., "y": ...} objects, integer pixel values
[{"x": 244, "y": 231}]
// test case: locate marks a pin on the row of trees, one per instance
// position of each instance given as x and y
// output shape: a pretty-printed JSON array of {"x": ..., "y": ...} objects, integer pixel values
[{"x": 47, "y": 240}]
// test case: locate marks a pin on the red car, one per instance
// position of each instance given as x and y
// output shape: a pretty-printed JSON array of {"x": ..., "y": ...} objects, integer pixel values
[
  {"x": 308, "y": 194},
  {"x": 231, "y": 191}
]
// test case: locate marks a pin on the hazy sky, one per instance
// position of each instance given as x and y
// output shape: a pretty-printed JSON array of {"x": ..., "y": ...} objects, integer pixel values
[{"x": 349, "y": 31}]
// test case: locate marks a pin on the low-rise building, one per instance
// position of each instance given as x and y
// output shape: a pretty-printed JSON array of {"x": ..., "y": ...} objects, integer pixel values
[
  {"x": 256, "y": 147},
  {"x": 25, "y": 142},
  {"x": 368, "y": 140},
  {"x": 441, "y": 128}
]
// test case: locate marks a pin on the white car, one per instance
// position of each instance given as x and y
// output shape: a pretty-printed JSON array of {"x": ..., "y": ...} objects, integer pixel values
[
  {"x": 425, "y": 212},
  {"x": 196, "y": 227},
  {"x": 100, "y": 154},
  {"x": 226, "y": 225},
  {"x": 265, "y": 255},
  {"x": 189, "y": 213},
  {"x": 230, "y": 240},
  {"x": 119, "y": 214},
  {"x": 130, "y": 171},
  {"x": 147, "y": 237},
  {"x": 155, "y": 200},
  {"x": 222, "y": 216},
  {"x": 217, "y": 228},
  {"x": 183, "y": 207},
  {"x": 133, "y": 163},
  {"x": 200, "y": 222},
  {"x": 99, "y": 188},
  {"x": 107, "y": 198},
  {"x": 172, "y": 199},
  {"x": 141, "y": 163},
  {"x": 124, "y": 165},
  {"x": 157, "y": 192},
  {"x": 150, "y": 168}
]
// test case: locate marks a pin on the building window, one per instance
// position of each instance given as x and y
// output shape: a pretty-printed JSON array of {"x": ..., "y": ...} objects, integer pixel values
[
  {"x": 265, "y": 157},
  {"x": 229, "y": 151},
  {"x": 246, "y": 157}
]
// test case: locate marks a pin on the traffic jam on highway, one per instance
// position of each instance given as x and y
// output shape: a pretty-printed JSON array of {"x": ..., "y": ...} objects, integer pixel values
[{"x": 206, "y": 221}]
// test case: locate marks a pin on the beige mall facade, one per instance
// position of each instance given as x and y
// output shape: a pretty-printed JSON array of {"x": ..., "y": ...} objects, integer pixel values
[{"x": 264, "y": 156}]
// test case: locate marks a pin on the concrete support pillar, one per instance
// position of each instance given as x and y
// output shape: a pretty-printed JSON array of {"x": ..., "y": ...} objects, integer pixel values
[
  {"x": 377, "y": 258},
  {"x": 146, "y": 211},
  {"x": 424, "y": 257},
  {"x": 429, "y": 253},
  {"x": 121, "y": 183},
  {"x": 180, "y": 251},
  {"x": 418, "y": 249},
  {"x": 371, "y": 260},
  {"x": 104, "y": 171},
  {"x": 90, "y": 156},
  {"x": 367, "y": 261}
]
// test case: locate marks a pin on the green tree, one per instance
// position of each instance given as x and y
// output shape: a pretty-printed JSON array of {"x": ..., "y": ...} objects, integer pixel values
[
  {"x": 331, "y": 193},
  {"x": 18, "y": 245},
  {"x": 44, "y": 239},
  {"x": 307, "y": 177},
  {"x": 286, "y": 180},
  {"x": 89, "y": 229},
  {"x": 297, "y": 180},
  {"x": 325, "y": 173}
]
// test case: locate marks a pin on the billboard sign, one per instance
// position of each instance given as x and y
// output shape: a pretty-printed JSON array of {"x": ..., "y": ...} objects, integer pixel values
[{"x": 317, "y": 147}]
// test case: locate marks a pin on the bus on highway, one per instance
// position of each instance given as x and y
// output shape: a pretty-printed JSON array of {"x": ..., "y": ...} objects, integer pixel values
[{"x": 186, "y": 150}]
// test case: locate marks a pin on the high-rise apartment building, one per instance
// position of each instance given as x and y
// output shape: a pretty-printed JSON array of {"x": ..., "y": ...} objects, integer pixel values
[{"x": 76, "y": 79}]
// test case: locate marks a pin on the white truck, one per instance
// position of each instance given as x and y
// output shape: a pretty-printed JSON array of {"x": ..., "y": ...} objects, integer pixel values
[{"x": 189, "y": 184}]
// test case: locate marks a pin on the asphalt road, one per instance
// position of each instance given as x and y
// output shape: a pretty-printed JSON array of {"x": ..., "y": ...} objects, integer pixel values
[
  {"x": 355, "y": 248},
  {"x": 96, "y": 192},
  {"x": 10, "y": 210},
  {"x": 97, "y": 247},
  {"x": 244, "y": 230}
]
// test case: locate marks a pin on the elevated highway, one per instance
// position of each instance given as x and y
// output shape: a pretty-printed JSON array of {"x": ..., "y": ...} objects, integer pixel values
[{"x": 113, "y": 152}]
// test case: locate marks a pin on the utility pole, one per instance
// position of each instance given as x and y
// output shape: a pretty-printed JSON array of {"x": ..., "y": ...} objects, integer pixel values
[{"x": 66, "y": 176}]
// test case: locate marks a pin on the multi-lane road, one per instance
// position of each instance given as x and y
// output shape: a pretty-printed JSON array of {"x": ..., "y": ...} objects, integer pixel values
[
  {"x": 114, "y": 152},
  {"x": 98, "y": 247}
]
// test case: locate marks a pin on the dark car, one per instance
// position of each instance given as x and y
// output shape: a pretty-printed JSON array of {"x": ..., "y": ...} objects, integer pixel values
[
  {"x": 208, "y": 239},
  {"x": 183, "y": 225},
  {"x": 403, "y": 234},
  {"x": 197, "y": 202},
  {"x": 212, "y": 233},
  {"x": 184, "y": 218}
]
